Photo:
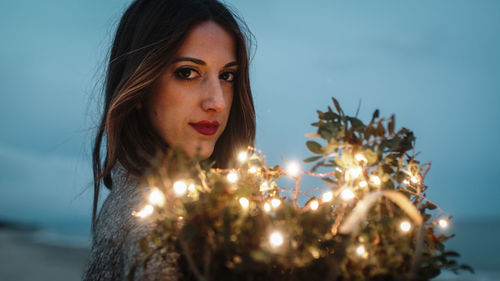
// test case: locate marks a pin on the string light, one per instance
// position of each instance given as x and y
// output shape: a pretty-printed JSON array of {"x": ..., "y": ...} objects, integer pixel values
[
  {"x": 355, "y": 172},
  {"x": 267, "y": 207},
  {"x": 156, "y": 197},
  {"x": 242, "y": 156},
  {"x": 327, "y": 196},
  {"x": 361, "y": 251},
  {"x": 244, "y": 202},
  {"x": 293, "y": 169},
  {"x": 265, "y": 186},
  {"x": 276, "y": 239},
  {"x": 347, "y": 194},
  {"x": 405, "y": 226},
  {"x": 375, "y": 180},
  {"x": 146, "y": 211},
  {"x": 443, "y": 223},
  {"x": 252, "y": 170},
  {"x": 363, "y": 184},
  {"x": 314, "y": 204},
  {"x": 407, "y": 182},
  {"x": 275, "y": 203},
  {"x": 232, "y": 177},
  {"x": 180, "y": 188},
  {"x": 191, "y": 187},
  {"x": 414, "y": 179},
  {"x": 360, "y": 158}
]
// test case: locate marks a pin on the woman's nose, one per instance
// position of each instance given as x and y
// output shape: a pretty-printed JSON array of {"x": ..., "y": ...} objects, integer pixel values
[{"x": 214, "y": 100}]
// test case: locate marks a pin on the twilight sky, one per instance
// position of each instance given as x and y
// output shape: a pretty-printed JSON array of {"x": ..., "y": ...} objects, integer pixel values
[{"x": 434, "y": 64}]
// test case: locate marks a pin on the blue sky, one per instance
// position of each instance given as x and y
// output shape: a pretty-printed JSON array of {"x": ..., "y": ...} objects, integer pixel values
[{"x": 434, "y": 64}]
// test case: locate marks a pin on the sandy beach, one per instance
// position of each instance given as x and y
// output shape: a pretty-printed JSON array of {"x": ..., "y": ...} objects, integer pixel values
[{"x": 22, "y": 259}]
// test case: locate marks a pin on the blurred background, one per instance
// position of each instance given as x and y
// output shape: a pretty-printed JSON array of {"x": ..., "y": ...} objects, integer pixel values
[{"x": 434, "y": 64}]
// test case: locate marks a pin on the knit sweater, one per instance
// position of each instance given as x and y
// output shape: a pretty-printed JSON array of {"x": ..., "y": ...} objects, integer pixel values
[{"x": 115, "y": 246}]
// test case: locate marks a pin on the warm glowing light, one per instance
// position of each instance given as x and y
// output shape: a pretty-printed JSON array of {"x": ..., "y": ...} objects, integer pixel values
[
  {"x": 242, "y": 156},
  {"x": 347, "y": 194},
  {"x": 265, "y": 186},
  {"x": 363, "y": 184},
  {"x": 146, "y": 211},
  {"x": 375, "y": 180},
  {"x": 355, "y": 172},
  {"x": 293, "y": 169},
  {"x": 180, "y": 187},
  {"x": 314, "y": 204},
  {"x": 360, "y": 158},
  {"x": 407, "y": 182},
  {"x": 156, "y": 197},
  {"x": 405, "y": 226},
  {"x": 232, "y": 177},
  {"x": 443, "y": 223},
  {"x": 191, "y": 187},
  {"x": 414, "y": 179},
  {"x": 244, "y": 202},
  {"x": 327, "y": 196},
  {"x": 361, "y": 251},
  {"x": 276, "y": 239},
  {"x": 252, "y": 170},
  {"x": 275, "y": 203},
  {"x": 267, "y": 207}
]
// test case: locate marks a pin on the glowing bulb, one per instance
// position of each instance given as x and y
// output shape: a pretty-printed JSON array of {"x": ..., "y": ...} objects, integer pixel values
[
  {"x": 146, "y": 211},
  {"x": 242, "y": 156},
  {"x": 443, "y": 223},
  {"x": 327, "y": 196},
  {"x": 180, "y": 188},
  {"x": 375, "y": 180},
  {"x": 405, "y": 226},
  {"x": 407, "y": 182},
  {"x": 355, "y": 172},
  {"x": 414, "y": 179},
  {"x": 276, "y": 239},
  {"x": 252, "y": 170},
  {"x": 232, "y": 177},
  {"x": 314, "y": 204},
  {"x": 361, "y": 251},
  {"x": 264, "y": 186},
  {"x": 347, "y": 194},
  {"x": 360, "y": 158},
  {"x": 275, "y": 203},
  {"x": 244, "y": 202},
  {"x": 293, "y": 169},
  {"x": 267, "y": 207},
  {"x": 363, "y": 184},
  {"x": 156, "y": 197},
  {"x": 191, "y": 187}
]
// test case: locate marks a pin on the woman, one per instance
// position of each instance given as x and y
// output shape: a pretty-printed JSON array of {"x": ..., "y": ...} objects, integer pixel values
[{"x": 177, "y": 76}]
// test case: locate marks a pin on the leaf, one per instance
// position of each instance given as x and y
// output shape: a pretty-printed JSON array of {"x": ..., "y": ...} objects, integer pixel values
[
  {"x": 375, "y": 115},
  {"x": 312, "y": 159},
  {"x": 391, "y": 125},
  {"x": 337, "y": 106},
  {"x": 314, "y": 147}
]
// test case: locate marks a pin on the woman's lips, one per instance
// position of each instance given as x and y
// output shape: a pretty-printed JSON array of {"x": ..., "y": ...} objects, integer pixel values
[{"x": 205, "y": 127}]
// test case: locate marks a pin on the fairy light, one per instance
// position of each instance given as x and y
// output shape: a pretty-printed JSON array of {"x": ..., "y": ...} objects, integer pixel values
[
  {"x": 191, "y": 187},
  {"x": 405, "y": 226},
  {"x": 252, "y": 170},
  {"x": 264, "y": 186},
  {"x": 347, "y": 194},
  {"x": 232, "y": 177},
  {"x": 293, "y": 169},
  {"x": 443, "y": 223},
  {"x": 361, "y": 251},
  {"x": 407, "y": 182},
  {"x": 276, "y": 239},
  {"x": 414, "y": 179},
  {"x": 363, "y": 184},
  {"x": 146, "y": 211},
  {"x": 375, "y": 180},
  {"x": 156, "y": 197},
  {"x": 275, "y": 203},
  {"x": 244, "y": 202},
  {"x": 267, "y": 207},
  {"x": 327, "y": 196},
  {"x": 355, "y": 172},
  {"x": 360, "y": 158},
  {"x": 180, "y": 188},
  {"x": 313, "y": 205},
  {"x": 242, "y": 156}
]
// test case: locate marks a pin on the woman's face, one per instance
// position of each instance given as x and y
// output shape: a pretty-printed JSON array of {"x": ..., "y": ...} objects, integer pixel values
[{"x": 190, "y": 103}]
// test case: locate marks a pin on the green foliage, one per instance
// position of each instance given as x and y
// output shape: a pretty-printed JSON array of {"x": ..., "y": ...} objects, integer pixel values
[{"x": 222, "y": 228}]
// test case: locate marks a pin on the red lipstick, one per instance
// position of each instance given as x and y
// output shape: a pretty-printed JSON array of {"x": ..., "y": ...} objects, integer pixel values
[{"x": 205, "y": 127}]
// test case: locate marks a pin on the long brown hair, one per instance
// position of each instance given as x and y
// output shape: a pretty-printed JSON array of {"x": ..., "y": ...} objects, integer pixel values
[{"x": 149, "y": 34}]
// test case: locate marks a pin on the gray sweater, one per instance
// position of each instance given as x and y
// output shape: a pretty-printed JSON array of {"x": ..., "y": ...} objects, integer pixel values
[{"x": 115, "y": 246}]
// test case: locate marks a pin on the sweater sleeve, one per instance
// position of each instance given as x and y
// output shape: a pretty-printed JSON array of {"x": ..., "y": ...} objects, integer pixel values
[{"x": 115, "y": 245}]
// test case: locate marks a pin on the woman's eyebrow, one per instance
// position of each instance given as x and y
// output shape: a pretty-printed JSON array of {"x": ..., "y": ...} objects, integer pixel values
[{"x": 200, "y": 62}]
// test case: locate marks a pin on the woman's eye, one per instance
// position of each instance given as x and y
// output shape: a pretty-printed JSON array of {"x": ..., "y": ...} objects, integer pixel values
[
  {"x": 227, "y": 76},
  {"x": 186, "y": 73}
]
